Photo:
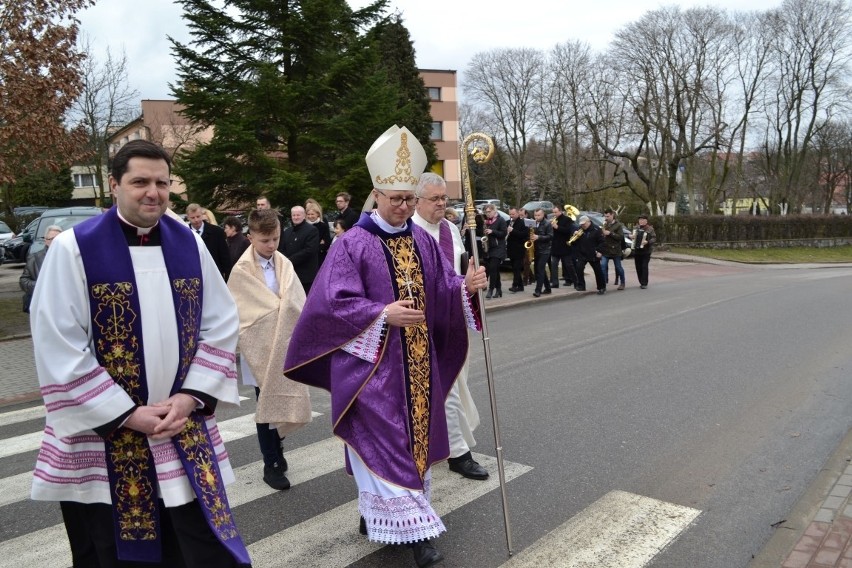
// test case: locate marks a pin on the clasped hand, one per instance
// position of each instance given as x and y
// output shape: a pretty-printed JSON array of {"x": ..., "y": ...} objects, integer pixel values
[{"x": 164, "y": 419}]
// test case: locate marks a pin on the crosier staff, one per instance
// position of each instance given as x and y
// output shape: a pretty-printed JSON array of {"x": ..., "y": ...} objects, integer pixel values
[{"x": 480, "y": 147}]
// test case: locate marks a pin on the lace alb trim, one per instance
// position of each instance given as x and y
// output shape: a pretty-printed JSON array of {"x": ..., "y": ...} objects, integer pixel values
[
  {"x": 400, "y": 520},
  {"x": 469, "y": 314},
  {"x": 368, "y": 345}
]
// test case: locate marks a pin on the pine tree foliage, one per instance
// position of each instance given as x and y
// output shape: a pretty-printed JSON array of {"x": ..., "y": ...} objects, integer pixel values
[{"x": 296, "y": 92}]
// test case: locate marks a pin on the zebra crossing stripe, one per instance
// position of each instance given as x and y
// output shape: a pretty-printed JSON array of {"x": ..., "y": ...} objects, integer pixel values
[
  {"x": 16, "y": 416},
  {"x": 315, "y": 542},
  {"x": 619, "y": 530},
  {"x": 331, "y": 539}
]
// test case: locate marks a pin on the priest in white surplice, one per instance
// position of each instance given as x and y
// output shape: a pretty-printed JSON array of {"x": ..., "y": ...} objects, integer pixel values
[
  {"x": 134, "y": 334},
  {"x": 462, "y": 416}
]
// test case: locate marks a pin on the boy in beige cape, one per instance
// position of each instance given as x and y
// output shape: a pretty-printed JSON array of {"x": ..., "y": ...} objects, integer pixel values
[{"x": 269, "y": 299}]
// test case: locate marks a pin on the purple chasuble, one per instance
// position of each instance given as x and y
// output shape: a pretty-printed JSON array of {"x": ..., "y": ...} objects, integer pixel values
[
  {"x": 370, "y": 401},
  {"x": 119, "y": 348}
]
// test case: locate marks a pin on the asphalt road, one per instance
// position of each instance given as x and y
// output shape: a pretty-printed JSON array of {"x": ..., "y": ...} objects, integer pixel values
[{"x": 694, "y": 414}]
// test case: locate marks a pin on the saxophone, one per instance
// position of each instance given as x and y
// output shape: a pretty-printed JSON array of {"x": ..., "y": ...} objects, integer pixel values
[
  {"x": 484, "y": 241},
  {"x": 530, "y": 246},
  {"x": 577, "y": 234}
]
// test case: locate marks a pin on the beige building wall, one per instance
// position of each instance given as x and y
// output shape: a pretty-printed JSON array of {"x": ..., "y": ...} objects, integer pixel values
[{"x": 443, "y": 89}]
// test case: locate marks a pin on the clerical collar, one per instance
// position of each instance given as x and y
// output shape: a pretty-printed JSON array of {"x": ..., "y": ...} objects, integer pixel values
[
  {"x": 139, "y": 236},
  {"x": 385, "y": 226}
]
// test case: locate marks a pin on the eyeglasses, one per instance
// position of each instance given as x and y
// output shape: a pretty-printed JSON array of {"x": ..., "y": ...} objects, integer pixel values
[
  {"x": 436, "y": 198},
  {"x": 397, "y": 201}
]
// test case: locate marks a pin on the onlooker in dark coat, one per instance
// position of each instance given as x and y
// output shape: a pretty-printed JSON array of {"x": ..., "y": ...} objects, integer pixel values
[
  {"x": 237, "y": 241},
  {"x": 300, "y": 244},
  {"x": 313, "y": 213},
  {"x": 613, "y": 232},
  {"x": 344, "y": 212},
  {"x": 213, "y": 237},
  {"x": 28, "y": 278}
]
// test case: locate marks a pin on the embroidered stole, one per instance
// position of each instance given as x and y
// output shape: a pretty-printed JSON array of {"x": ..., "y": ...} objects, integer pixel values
[
  {"x": 119, "y": 348},
  {"x": 406, "y": 272}
]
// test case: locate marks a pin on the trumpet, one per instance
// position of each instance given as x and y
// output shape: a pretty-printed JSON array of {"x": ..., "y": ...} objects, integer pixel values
[{"x": 577, "y": 234}]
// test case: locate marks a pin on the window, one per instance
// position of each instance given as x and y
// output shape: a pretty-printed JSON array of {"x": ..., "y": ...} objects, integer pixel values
[
  {"x": 437, "y": 131},
  {"x": 434, "y": 93},
  {"x": 84, "y": 180}
]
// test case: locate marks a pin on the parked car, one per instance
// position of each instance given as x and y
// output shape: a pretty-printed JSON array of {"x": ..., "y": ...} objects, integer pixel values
[
  {"x": 6, "y": 233},
  {"x": 16, "y": 248},
  {"x": 531, "y": 206},
  {"x": 65, "y": 217}
]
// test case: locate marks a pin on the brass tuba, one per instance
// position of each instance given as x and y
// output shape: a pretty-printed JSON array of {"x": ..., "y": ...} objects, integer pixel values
[{"x": 572, "y": 212}]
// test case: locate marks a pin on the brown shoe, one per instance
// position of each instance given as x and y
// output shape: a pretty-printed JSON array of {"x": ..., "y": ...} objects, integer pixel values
[{"x": 621, "y": 286}]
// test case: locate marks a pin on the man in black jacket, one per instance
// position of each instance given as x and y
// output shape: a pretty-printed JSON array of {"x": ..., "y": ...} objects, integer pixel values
[
  {"x": 589, "y": 252},
  {"x": 541, "y": 238},
  {"x": 348, "y": 215},
  {"x": 517, "y": 237},
  {"x": 300, "y": 244},
  {"x": 213, "y": 237},
  {"x": 563, "y": 228}
]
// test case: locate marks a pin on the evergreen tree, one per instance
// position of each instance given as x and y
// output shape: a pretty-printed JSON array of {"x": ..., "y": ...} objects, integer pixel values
[
  {"x": 43, "y": 187},
  {"x": 296, "y": 92}
]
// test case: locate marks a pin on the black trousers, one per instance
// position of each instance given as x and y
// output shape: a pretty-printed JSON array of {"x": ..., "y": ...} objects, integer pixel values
[
  {"x": 541, "y": 280},
  {"x": 568, "y": 272},
  {"x": 518, "y": 271},
  {"x": 492, "y": 268},
  {"x": 187, "y": 540},
  {"x": 268, "y": 439},
  {"x": 641, "y": 261},
  {"x": 596, "y": 268}
]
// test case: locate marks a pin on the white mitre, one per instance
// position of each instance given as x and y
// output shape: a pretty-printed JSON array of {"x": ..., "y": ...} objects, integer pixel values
[{"x": 395, "y": 160}]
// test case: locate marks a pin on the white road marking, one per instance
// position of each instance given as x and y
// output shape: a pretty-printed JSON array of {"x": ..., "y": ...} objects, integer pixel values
[
  {"x": 331, "y": 539},
  {"x": 619, "y": 530},
  {"x": 15, "y": 416}
]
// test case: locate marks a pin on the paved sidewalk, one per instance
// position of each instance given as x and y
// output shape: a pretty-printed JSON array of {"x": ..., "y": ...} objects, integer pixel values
[{"x": 17, "y": 369}]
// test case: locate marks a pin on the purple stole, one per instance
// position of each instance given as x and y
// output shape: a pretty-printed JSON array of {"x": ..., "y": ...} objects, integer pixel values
[
  {"x": 446, "y": 243},
  {"x": 118, "y": 341}
]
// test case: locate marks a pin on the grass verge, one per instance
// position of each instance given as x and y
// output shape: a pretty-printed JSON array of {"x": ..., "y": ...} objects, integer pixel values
[{"x": 792, "y": 255}]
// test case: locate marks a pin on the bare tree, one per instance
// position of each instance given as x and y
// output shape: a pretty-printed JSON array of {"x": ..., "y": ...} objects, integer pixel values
[
  {"x": 503, "y": 82},
  {"x": 663, "y": 64},
  {"x": 811, "y": 55},
  {"x": 106, "y": 102}
]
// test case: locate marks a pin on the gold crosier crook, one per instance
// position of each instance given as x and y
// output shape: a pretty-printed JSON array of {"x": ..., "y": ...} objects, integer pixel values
[{"x": 480, "y": 148}]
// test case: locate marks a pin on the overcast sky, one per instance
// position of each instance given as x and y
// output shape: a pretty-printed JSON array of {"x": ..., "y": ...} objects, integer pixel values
[{"x": 446, "y": 33}]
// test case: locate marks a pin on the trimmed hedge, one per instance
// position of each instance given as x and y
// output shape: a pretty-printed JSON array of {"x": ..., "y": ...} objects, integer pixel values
[{"x": 752, "y": 231}]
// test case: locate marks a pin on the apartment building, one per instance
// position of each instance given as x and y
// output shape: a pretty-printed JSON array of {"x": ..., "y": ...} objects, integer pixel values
[{"x": 443, "y": 94}]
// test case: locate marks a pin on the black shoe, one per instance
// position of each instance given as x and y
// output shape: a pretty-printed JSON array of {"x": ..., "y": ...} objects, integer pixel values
[
  {"x": 425, "y": 554},
  {"x": 488, "y": 295},
  {"x": 601, "y": 292},
  {"x": 552, "y": 285},
  {"x": 467, "y": 467},
  {"x": 643, "y": 286},
  {"x": 274, "y": 477},
  {"x": 580, "y": 288},
  {"x": 536, "y": 294},
  {"x": 498, "y": 293},
  {"x": 547, "y": 291},
  {"x": 362, "y": 526},
  {"x": 512, "y": 289}
]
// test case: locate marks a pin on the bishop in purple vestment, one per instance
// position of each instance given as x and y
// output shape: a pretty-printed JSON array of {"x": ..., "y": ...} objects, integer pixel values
[{"x": 384, "y": 329}]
